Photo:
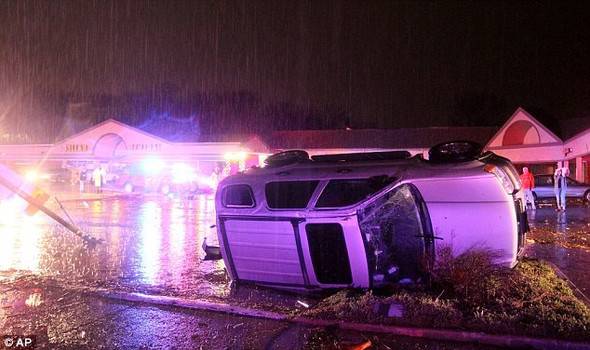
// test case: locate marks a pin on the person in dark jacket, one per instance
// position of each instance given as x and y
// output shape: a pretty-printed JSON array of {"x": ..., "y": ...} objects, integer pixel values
[{"x": 560, "y": 184}]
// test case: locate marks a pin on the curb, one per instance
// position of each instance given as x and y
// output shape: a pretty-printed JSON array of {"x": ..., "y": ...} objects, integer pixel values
[
  {"x": 504, "y": 341},
  {"x": 99, "y": 198},
  {"x": 507, "y": 341},
  {"x": 572, "y": 285},
  {"x": 193, "y": 304}
]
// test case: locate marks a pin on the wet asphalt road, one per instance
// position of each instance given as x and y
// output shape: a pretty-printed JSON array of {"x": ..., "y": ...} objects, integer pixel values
[
  {"x": 575, "y": 263},
  {"x": 152, "y": 244}
]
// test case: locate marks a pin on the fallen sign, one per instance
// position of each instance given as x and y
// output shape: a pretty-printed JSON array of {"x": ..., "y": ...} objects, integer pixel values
[
  {"x": 36, "y": 198},
  {"x": 212, "y": 251}
]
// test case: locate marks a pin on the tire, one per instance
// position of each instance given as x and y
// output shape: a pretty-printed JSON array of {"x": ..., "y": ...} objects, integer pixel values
[
  {"x": 286, "y": 158},
  {"x": 587, "y": 197},
  {"x": 454, "y": 152}
]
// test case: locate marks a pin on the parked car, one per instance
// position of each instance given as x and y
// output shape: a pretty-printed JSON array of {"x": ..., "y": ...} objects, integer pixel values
[
  {"x": 141, "y": 183},
  {"x": 366, "y": 220},
  {"x": 177, "y": 178},
  {"x": 544, "y": 188}
]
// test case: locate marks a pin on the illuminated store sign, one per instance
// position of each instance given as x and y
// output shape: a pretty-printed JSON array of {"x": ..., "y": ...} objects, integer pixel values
[{"x": 77, "y": 148}]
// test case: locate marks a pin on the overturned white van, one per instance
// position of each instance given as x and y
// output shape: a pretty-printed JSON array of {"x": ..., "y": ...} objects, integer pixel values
[{"x": 366, "y": 220}]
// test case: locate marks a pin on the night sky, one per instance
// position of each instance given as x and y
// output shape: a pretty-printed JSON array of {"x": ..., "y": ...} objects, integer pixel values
[{"x": 382, "y": 63}]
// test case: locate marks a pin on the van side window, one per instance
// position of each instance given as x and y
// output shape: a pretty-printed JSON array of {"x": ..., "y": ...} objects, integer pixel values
[
  {"x": 342, "y": 193},
  {"x": 238, "y": 196},
  {"x": 289, "y": 194}
]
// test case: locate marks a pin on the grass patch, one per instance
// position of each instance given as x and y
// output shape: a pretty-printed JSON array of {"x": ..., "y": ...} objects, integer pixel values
[{"x": 470, "y": 293}]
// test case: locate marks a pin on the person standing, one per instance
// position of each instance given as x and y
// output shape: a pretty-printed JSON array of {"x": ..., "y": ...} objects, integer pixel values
[
  {"x": 227, "y": 170},
  {"x": 82, "y": 178},
  {"x": 560, "y": 185},
  {"x": 97, "y": 179},
  {"x": 103, "y": 176},
  {"x": 528, "y": 184},
  {"x": 215, "y": 177}
]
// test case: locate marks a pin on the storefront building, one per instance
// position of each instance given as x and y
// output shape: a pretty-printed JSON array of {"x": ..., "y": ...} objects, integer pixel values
[
  {"x": 523, "y": 139},
  {"x": 114, "y": 145},
  {"x": 527, "y": 142}
]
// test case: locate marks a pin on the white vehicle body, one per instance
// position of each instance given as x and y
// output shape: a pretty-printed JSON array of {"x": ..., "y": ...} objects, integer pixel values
[{"x": 416, "y": 208}]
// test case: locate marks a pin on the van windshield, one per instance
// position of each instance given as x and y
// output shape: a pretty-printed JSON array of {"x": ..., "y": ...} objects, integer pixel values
[{"x": 395, "y": 227}]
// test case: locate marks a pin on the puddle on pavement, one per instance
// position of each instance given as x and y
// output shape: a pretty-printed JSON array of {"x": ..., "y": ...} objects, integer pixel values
[{"x": 149, "y": 245}]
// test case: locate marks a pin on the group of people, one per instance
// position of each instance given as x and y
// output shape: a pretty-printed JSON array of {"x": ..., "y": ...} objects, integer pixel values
[
  {"x": 96, "y": 176},
  {"x": 559, "y": 185}
]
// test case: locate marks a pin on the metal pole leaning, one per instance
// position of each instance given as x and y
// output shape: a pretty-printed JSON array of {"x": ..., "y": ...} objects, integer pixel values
[{"x": 89, "y": 240}]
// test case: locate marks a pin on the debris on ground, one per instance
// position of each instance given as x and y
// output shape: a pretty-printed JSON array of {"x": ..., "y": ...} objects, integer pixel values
[
  {"x": 302, "y": 303},
  {"x": 574, "y": 238},
  {"x": 362, "y": 346}
]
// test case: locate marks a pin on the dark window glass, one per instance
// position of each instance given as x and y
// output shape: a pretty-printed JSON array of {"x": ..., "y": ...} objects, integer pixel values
[
  {"x": 571, "y": 182},
  {"x": 238, "y": 196},
  {"x": 341, "y": 193},
  {"x": 544, "y": 181},
  {"x": 329, "y": 256},
  {"x": 289, "y": 194}
]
